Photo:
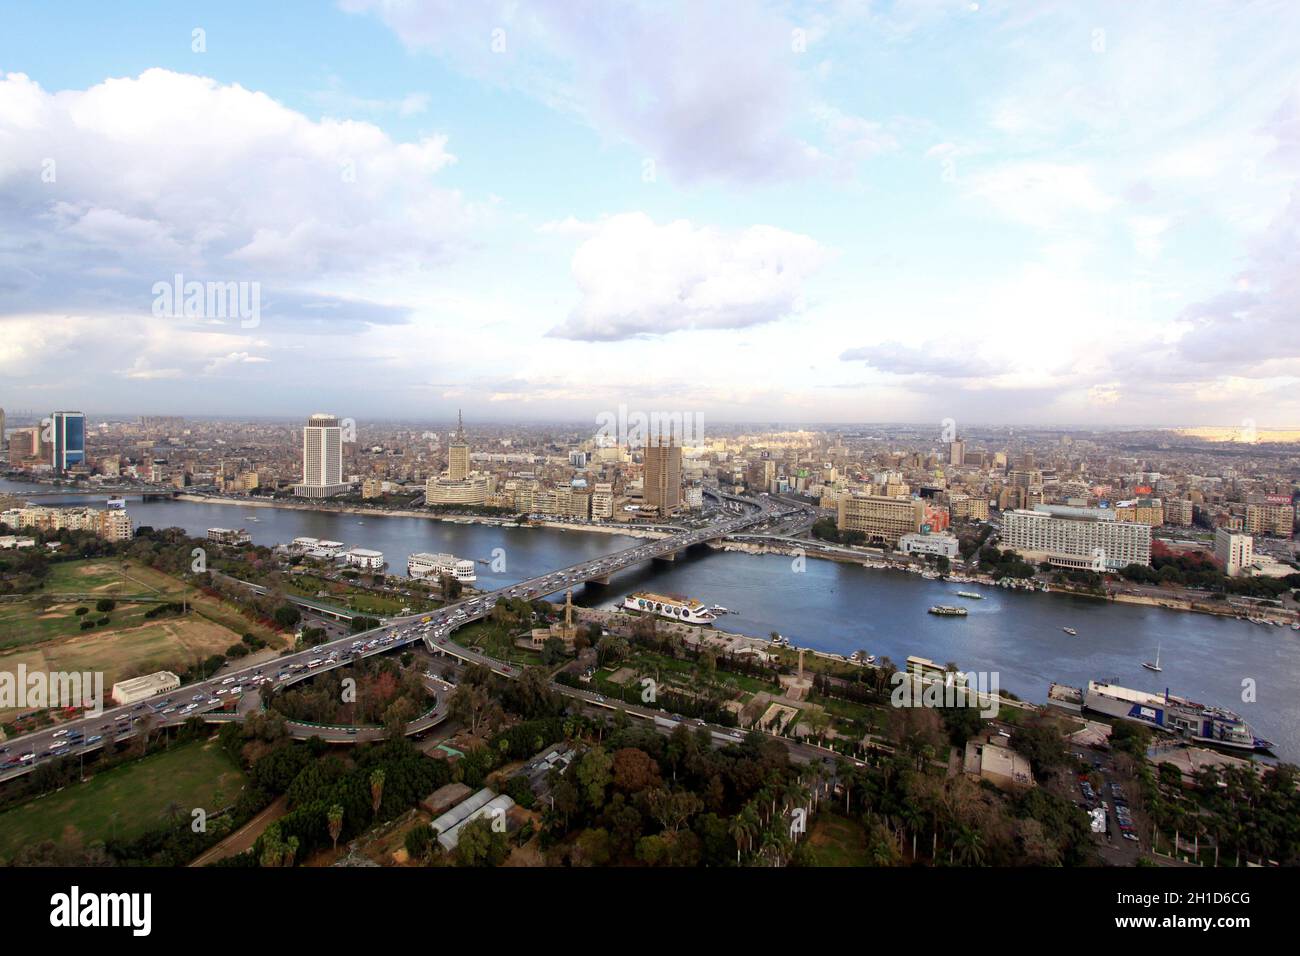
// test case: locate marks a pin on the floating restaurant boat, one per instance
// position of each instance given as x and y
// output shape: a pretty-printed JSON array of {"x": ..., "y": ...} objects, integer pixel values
[
  {"x": 1175, "y": 715},
  {"x": 671, "y": 606}
]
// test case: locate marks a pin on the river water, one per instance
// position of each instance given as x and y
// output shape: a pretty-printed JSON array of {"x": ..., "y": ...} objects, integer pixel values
[{"x": 843, "y": 608}]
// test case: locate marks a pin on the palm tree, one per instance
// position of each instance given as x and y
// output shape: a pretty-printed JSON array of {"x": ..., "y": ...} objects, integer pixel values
[
  {"x": 970, "y": 846},
  {"x": 745, "y": 826},
  {"x": 335, "y": 816},
  {"x": 913, "y": 818}
]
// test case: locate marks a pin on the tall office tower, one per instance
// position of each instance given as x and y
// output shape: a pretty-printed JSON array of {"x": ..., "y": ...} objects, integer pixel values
[
  {"x": 322, "y": 458},
  {"x": 458, "y": 453},
  {"x": 67, "y": 440},
  {"x": 2, "y": 429},
  {"x": 957, "y": 452},
  {"x": 663, "y": 475}
]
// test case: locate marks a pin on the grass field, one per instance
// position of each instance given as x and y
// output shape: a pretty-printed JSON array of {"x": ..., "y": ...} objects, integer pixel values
[
  {"x": 51, "y": 638},
  {"x": 166, "y": 644},
  {"x": 128, "y": 800},
  {"x": 26, "y": 622},
  {"x": 833, "y": 841},
  {"x": 96, "y": 576}
]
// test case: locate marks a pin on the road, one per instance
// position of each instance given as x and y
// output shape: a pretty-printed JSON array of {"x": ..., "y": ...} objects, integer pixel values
[{"x": 21, "y": 754}]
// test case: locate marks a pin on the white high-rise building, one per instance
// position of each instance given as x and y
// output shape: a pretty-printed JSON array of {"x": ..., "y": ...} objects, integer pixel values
[
  {"x": 1234, "y": 551},
  {"x": 322, "y": 458}
]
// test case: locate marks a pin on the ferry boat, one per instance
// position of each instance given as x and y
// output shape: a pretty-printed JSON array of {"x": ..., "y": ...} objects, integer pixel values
[
  {"x": 116, "y": 503},
  {"x": 671, "y": 606},
  {"x": 970, "y": 594},
  {"x": 1175, "y": 715},
  {"x": 719, "y": 609},
  {"x": 947, "y": 610}
]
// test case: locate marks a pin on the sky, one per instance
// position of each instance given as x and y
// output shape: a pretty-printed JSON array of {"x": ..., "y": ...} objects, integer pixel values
[{"x": 822, "y": 211}]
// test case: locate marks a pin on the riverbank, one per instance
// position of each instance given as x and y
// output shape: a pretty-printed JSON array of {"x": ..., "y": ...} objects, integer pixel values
[
  {"x": 462, "y": 519},
  {"x": 877, "y": 560}
]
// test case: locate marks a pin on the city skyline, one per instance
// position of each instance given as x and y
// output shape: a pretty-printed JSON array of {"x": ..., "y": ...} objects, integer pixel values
[{"x": 829, "y": 213}]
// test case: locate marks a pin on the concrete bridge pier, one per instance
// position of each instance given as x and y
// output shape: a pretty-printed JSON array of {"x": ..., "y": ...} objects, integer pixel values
[{"x": 670, "y": 556}]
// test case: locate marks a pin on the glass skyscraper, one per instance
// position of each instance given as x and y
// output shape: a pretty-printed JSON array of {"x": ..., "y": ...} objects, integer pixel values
[{"x": 67, "y": 439}]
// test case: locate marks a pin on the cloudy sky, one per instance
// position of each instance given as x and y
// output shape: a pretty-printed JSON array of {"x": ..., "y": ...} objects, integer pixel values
[{"x": 834, "y": 210}]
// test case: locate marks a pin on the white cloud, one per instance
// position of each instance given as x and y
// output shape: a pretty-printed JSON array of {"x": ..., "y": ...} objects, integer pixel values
[
  {"x": 139, "y": 177},
  {"x": 638, "y": 278}
]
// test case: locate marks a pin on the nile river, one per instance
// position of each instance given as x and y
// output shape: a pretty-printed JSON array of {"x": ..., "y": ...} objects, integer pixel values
[{"x": 843, "y": 607}]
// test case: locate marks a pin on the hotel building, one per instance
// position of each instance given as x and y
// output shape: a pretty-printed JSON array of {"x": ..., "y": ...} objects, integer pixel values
[{"x": 1082, "y": 538}]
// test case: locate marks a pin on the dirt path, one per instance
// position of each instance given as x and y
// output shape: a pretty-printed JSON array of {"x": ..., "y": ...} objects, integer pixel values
[{"x": 243, "y": 838}]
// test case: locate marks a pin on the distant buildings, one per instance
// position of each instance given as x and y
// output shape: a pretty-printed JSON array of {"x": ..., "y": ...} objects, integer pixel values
[
  {"x": 602, "y": 501},
  {"x": 113, "y": 524},
  {"x": 1271, "y": 516},
  {"x": 322, "y": 458},
  {"x": 968, "y": 507},
  {"x": 1080, "y": 538},
  {"x": 1178, "y": 511},
  {"x": 24, "y": 447},
  {"x": 1234, "y": 551},
  {"x": 1148, "y": 511},
  {"x": 938, "y": 545},
  {"x": 229, "y": 536}
]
